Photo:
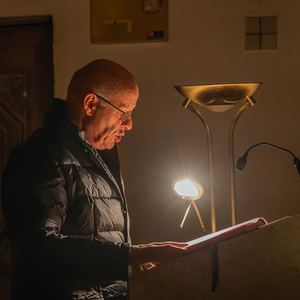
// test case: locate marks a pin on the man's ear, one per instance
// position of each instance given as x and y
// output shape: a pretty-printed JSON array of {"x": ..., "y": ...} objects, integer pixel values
[{"x": 89, "y": 103}]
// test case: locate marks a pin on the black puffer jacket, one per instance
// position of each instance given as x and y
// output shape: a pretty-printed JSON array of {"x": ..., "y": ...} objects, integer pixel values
[{"x": 65, "y": 214}]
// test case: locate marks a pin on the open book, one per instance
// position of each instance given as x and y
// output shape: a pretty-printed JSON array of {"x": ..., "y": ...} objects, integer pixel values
[
  {"x": 216, "y": 237},
  {"x": 219, "y": 236}
]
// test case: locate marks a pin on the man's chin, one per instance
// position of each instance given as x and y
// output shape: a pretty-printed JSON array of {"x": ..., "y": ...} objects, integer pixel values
[{"x": 104, "y": 146}]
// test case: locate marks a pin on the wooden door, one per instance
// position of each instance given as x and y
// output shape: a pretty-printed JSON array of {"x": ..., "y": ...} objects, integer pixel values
[{"x": 26, "y": 92}]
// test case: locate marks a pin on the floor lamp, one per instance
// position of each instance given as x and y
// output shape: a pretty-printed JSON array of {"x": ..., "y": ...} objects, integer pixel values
[{"x": 219, "y": 98}]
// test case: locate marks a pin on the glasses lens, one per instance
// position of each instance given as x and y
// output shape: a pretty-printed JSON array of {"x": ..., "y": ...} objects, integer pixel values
[{"x": 127, "y": 116}]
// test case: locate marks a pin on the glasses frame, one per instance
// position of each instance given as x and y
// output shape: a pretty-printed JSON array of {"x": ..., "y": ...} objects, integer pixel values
[{"x": 126, "y": 115}]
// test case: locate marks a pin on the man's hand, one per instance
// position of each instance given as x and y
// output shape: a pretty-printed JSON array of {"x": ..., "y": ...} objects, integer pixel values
[{"x": 149, "y": 255}]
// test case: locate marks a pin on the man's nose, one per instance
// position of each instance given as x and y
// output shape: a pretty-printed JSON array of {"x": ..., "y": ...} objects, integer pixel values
[{"x": 127, "y": 124}]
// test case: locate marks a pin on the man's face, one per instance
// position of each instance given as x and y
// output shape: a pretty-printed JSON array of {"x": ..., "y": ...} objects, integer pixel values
[{"x": 105, "y": 127}]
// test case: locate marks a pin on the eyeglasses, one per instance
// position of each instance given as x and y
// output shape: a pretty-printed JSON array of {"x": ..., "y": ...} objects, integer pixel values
[{"x": 126, "y": 115}]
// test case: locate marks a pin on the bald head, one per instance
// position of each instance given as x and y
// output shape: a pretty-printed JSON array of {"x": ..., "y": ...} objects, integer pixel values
[{"x": 100, "y": 76}]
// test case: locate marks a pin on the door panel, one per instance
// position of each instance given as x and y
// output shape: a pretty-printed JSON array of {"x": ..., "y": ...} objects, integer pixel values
[{"x": 26, "y": 92}]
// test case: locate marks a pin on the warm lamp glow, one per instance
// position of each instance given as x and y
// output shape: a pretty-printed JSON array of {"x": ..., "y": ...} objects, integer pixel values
[
  {"x": 191, "y": 191},
  {"x": 188, "y": 189}
]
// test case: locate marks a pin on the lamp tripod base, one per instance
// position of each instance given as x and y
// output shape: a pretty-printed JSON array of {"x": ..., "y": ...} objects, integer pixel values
[{"x": 198, "y": 215}]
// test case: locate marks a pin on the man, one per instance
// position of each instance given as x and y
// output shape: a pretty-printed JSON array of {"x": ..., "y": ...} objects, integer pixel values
[{"x": 63, "y": 197}]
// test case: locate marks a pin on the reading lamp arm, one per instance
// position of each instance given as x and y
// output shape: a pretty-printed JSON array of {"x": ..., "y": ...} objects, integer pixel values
[{"x": 242, "y": 161}]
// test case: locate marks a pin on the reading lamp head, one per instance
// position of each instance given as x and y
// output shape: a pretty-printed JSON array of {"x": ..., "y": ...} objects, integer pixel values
[{"x": 241, "y": 163}]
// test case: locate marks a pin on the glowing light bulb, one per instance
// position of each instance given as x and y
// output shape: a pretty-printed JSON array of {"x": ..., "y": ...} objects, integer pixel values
[
  {"x": 187, "y": 188},
  {"x": 191, "y": 191}
]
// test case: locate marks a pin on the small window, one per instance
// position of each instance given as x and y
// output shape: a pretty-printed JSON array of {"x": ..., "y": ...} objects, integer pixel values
[{"x": 260, "y": 33}]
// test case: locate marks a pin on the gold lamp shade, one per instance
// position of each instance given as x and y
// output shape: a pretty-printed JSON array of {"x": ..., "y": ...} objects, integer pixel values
[{"x": 218, "y": 97}]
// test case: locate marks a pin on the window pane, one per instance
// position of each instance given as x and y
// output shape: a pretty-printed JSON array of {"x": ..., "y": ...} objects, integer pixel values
[
  {"x": 252, "y": 25},
  {"x": 252, "y": 42},
  {"x": 269, "y": 41},
  {"x": 269, "y": 24}
]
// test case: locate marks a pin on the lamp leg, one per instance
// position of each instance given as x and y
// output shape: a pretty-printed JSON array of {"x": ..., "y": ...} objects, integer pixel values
[
  {"x": 185, "y": 215},
  {"x": 199, "y": 217}
]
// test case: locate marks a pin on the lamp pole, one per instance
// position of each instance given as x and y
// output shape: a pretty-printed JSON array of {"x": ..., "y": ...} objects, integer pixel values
[
  {"x": 186, "y": 104},
  {"x": 250, "y": 103}
]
